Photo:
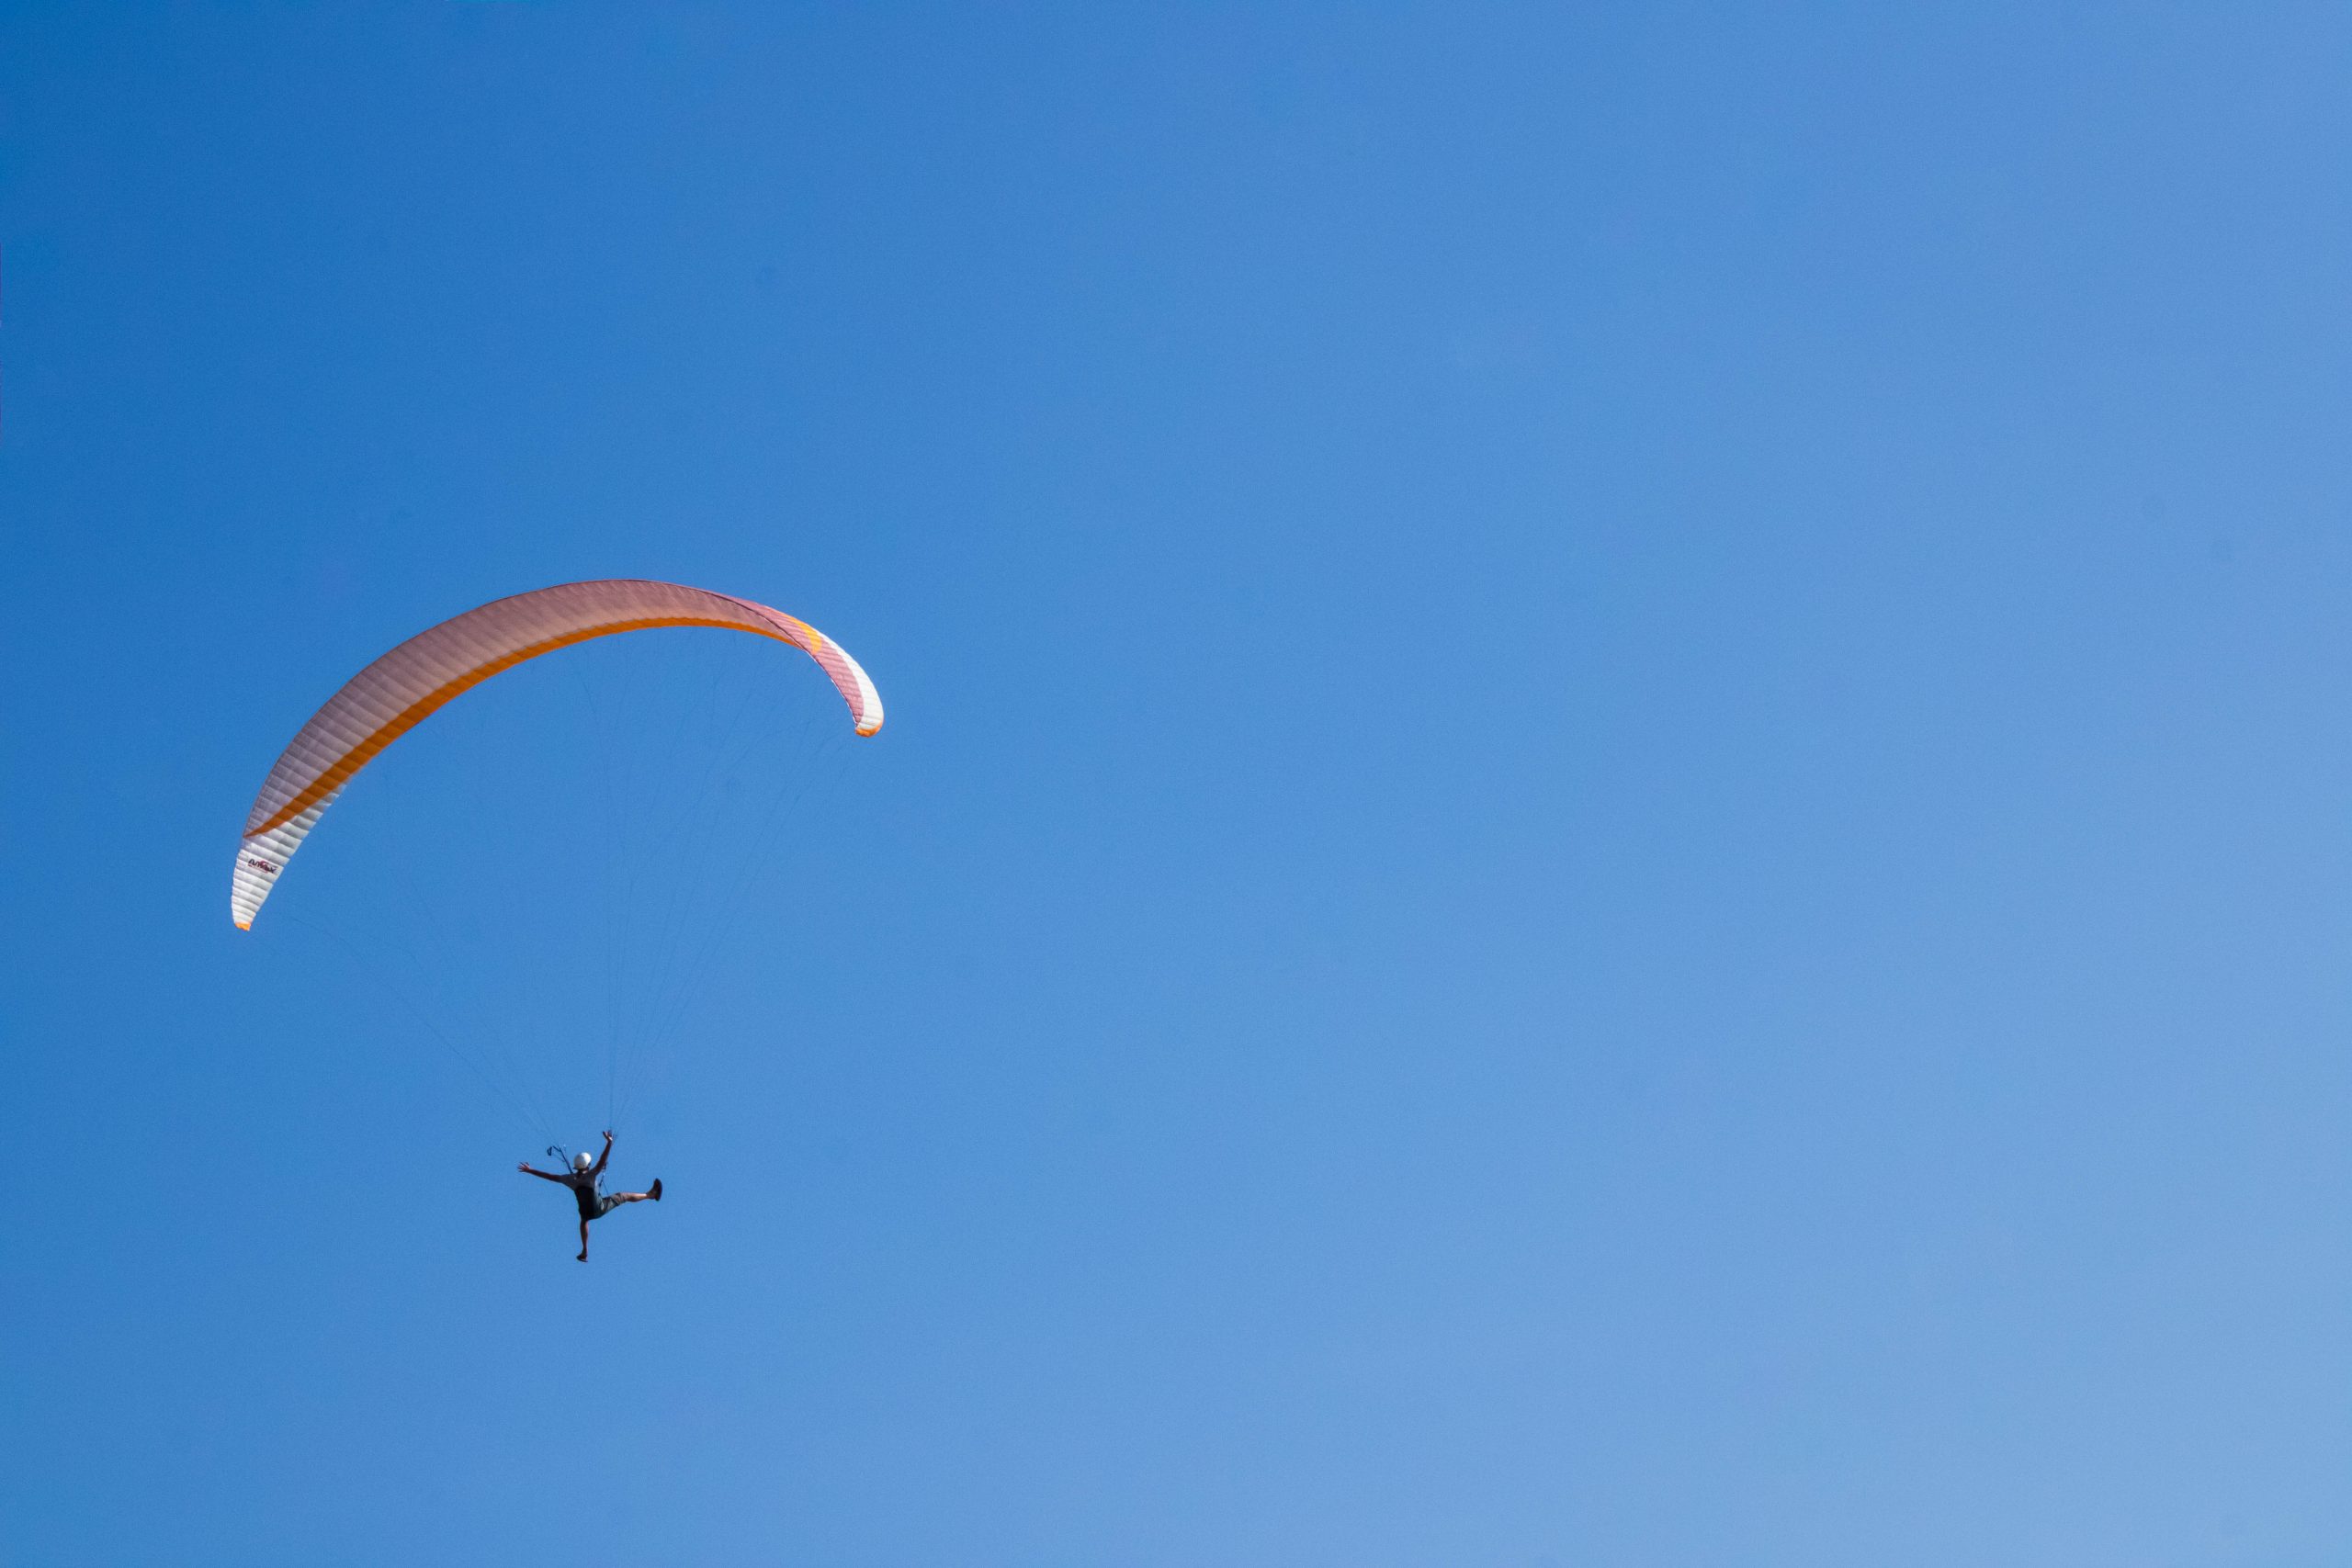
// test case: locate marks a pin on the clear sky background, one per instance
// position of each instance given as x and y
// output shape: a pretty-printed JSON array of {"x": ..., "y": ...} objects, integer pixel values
[{"x": 1613, "y": 828}]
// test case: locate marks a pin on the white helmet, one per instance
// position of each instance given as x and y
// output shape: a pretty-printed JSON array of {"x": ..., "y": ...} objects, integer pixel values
[{"x": 581, "y": 1161}]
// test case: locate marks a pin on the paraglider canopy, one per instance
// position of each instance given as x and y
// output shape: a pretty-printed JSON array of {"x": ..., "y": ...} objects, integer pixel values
[{"x": 408, "y": 684}]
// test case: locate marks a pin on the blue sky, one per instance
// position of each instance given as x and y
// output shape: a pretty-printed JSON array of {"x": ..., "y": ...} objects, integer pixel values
[{"x": 1613, "y": 829}]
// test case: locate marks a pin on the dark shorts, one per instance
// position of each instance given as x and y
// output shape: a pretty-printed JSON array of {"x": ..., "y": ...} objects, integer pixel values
[{"x": 596, "y": 1206}]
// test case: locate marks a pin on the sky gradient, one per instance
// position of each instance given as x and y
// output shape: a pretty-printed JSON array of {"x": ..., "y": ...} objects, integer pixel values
[{"x": 1613, "y": 829}]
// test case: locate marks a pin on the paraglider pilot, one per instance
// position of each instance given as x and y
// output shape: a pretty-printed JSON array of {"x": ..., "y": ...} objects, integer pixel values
[{"x": 586, "y": 1179}]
